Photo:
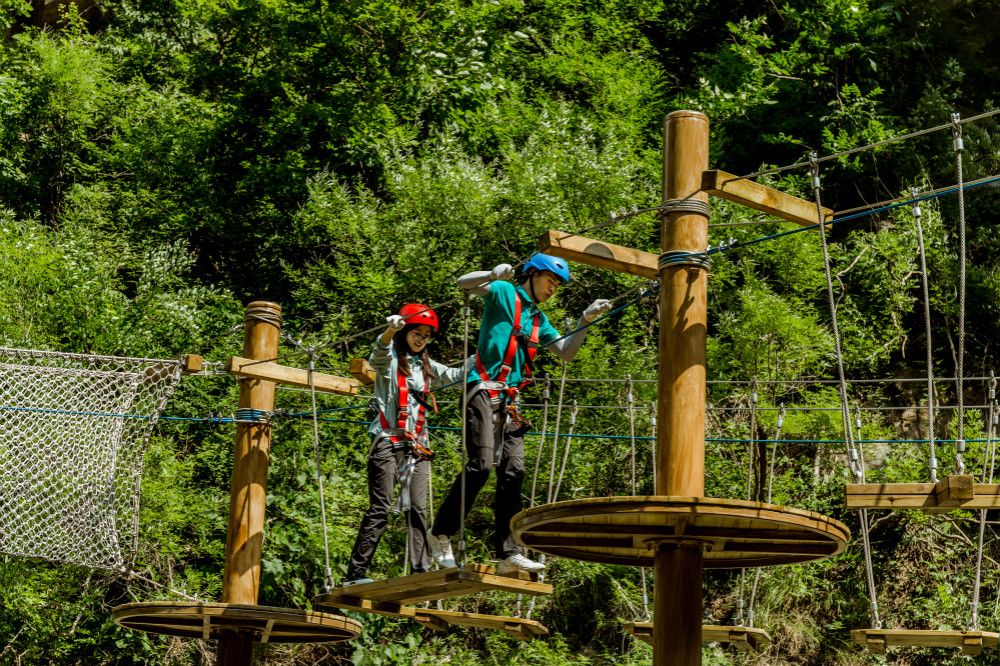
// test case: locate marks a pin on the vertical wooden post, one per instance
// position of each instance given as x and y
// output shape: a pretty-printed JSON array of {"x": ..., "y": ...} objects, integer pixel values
[
  {"x": 680, "y": 460},
  {"x": 241, "y": 581}
]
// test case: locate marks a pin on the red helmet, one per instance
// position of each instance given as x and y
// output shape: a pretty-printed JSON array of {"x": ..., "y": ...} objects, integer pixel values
[{"x": 415, "y": 314}]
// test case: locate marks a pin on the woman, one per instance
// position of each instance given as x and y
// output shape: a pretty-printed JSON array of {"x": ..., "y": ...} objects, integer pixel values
[{"x": 399, "y": 452}]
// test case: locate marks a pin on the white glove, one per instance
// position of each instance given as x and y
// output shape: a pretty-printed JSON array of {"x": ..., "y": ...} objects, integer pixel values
[
  {"x": 395, "y": 323},
  {"x": 596, "y": 309},
  {"x": 502, "y": 272}
]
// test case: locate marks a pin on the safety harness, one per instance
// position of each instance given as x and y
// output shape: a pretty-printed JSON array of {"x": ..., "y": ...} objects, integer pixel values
[
  {"x": 506, "y": 365},
  {"x": 401, "y": 437}
]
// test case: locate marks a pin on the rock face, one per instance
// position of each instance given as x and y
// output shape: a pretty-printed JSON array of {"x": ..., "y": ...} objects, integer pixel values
[{"x": 46, "y": 13}]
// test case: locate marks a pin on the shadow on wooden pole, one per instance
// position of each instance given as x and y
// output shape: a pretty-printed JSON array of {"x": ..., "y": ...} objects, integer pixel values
[
  {"x": 680, "y": 460},
  {"x": 241, "y": 581}
]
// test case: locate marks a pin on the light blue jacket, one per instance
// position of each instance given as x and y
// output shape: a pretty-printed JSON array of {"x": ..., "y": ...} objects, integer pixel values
[{"x": 386, "y": 364}]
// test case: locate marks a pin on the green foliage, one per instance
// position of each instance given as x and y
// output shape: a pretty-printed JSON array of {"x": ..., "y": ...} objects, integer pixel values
[{"x": 341, "y": 158}]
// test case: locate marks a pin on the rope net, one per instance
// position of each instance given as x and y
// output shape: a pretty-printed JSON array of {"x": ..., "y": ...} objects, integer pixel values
[{"x": 75, "y": 428}]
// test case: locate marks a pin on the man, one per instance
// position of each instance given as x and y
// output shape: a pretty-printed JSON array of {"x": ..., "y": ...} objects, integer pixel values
[{"x": 512, "y": 329}]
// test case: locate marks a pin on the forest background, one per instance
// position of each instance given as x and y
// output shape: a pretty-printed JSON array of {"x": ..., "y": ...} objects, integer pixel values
[{"x": 164, "y": 162}]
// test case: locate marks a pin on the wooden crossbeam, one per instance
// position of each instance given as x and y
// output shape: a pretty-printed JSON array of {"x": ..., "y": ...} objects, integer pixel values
[
  {"x": 191, "y": 363},
  {"x": 600, "y": 254},
  {"x": 273, "y": 372},
  {"x": 968, "y": 642},
  {"x": 762, "y": 198},
  {"x": 362, "y": 370},
  {"x": 954, "y": 491}
]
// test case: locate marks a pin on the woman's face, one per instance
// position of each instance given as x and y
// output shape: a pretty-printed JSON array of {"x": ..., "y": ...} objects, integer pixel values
[{"x": 418, "y": 337}]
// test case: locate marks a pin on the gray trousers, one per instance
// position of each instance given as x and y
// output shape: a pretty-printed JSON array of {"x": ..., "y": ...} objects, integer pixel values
[
  {"x": 492, "y": 441},
  {"x": 383, "y": 464}
]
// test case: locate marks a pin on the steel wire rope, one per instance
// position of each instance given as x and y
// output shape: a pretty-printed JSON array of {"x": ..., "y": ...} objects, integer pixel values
[
  {"x": 727, "y": 247},
  {"x": 933, "y": 463},
  {"x": 988, "y": 461},
  {"x": 957, "y": 143},
  {"x": 751, "y": 446},
  {"x": 466, "y": 314},
  {"x": 751, "y": 613},
  {"x": 870, "y": 146},
  {"x": 855, "y": 460},
  {"x": 549, "y": 498},
  {"x": 630, "y": 402},
  {"x": 546, "y": 395},
  {"x": 566, "y": 449},
  {"x": 327, "y": 572}
]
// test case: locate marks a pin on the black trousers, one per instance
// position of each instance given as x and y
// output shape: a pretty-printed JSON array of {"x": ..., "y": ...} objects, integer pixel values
[
  {"x": 383, "y": 463},
  {"x": 492, "y": 441}
]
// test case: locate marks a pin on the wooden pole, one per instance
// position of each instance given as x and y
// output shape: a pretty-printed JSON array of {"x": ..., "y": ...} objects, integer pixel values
[
  {"x": 680, "y": 459},
  {"x": 241, "y": 581}
]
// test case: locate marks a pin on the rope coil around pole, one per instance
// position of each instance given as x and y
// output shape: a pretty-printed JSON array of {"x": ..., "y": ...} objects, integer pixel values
[
  {"x": 684, "y": 258},
  {"x": 958, "y": 145},
  {"x": 856, "y": 460},
  {"x": 933, "y": 464}
]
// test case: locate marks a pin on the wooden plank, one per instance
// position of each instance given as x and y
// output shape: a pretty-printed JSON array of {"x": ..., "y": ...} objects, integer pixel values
[
  {"x": 878, "y": 640},
  {"x": 763, "y": 198},
  {"x": 273, "y": 372},
  {"x": 600, "y": 254},
  {"x": 955, "y": 489},
  {"x": 516, "y": 627},
  {"x": 746, "y": 639},
  {"x": 192, "y": 363},
  {"x": 362, "y": 370},
  {"x": 429, "y": 586},
  {"x": 924, "y": 496},
  {"x": 972, "y": 645}
]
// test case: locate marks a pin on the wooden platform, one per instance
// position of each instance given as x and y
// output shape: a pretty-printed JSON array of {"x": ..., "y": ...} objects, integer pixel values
[
  {"x": 969, "y": 642},
  {"x": 746, "y": 639},
  {"x": 208, "y": 620},
  {"x": 952, "y": 492},
  {"x": 627, "y": 530},
  {"x": 387, "y": 596},
  {"x": 524, "y": 630}
]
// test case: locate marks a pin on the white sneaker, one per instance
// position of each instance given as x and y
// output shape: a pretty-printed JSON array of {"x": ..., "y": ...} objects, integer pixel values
[
  {"x": 440, "y": 547},
  {"x": 518, "y": 562}
]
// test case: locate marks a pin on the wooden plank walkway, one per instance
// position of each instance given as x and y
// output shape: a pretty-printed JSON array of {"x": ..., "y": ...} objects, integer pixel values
[
  {"x": 430, "y": 586},
  {"x": 746, "y": 639},
  {"x": 952, "y": 492},
  {"x": 968, "y": 642}
]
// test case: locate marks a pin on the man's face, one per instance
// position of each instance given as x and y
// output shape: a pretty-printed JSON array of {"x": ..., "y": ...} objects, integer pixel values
[{"x": 544, "y": 285}]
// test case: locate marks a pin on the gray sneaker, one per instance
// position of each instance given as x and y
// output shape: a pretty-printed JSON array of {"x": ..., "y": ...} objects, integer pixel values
[
  {"x": 356, "y": 581},
  {"x": 440, "y": 547},
  {"x": 518, "y": 562}
]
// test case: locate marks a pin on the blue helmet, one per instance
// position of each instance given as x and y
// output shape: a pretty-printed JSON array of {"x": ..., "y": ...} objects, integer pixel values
[{"x": 545, "y": 262}]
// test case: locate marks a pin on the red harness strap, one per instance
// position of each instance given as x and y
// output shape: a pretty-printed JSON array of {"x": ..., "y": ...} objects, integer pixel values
[
  {"x": 403, "y": 414},
  {"x": 508, "y": 358}
]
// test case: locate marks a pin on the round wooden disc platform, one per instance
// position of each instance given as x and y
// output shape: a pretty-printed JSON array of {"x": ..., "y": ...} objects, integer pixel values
[
  {"x": 208, "y": 620},
  {"x": 628, "y": 530}
]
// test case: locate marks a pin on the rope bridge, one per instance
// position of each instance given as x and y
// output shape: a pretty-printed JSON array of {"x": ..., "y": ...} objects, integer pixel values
[{"x": 75, "y": 428}]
